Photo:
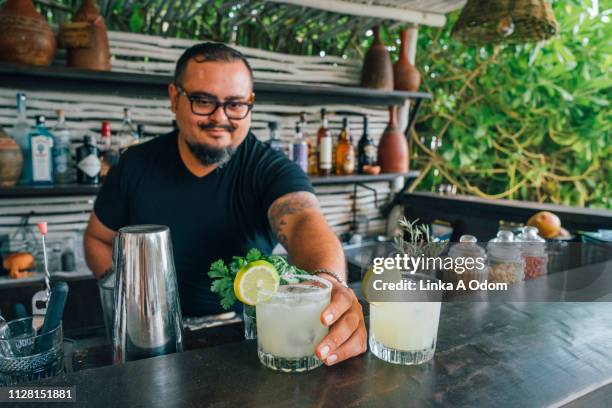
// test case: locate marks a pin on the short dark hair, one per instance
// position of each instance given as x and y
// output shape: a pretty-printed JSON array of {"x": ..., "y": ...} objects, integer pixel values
[{"x": 208, "y": 51}]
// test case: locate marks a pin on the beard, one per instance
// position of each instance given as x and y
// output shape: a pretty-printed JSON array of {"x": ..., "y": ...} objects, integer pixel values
[{"x": 207, "y": 155}]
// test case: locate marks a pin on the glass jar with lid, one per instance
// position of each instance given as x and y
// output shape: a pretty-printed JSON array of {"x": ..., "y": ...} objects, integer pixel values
[
  {"x": 469, "y": 261},
  {"x": 533, "y": 249},
  {"x": 506, "y": 264}
]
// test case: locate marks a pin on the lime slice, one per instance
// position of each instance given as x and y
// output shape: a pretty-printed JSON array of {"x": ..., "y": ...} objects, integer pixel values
[
  {"x": 253, "y": 278},
  {"x": 389, "y": 275}
]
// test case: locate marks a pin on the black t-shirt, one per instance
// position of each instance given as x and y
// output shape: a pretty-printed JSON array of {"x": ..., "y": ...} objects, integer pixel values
[{"x": 217, "y": 216}]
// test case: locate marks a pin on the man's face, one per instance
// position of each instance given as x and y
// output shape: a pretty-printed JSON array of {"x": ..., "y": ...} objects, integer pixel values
[{"x": 212, "y": 138}]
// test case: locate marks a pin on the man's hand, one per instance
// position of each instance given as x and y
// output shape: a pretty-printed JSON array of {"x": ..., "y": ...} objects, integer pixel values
[
  {"x": 300, "y": 227},
  {"x": 347, "y": 335}
]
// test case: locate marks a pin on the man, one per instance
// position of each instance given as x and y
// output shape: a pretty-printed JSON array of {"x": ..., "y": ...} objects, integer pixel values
[{"x": 222, "y": 192}]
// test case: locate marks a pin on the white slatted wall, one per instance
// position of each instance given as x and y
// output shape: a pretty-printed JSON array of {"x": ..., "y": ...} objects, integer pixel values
[{"x": 85, "y": 112}]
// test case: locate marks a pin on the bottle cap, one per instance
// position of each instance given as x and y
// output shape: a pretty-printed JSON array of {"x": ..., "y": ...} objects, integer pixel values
[
  {"x": 467, "y": 246},
  {"x": 140, "y": 130},
  {"x": 504, "y": 246},
  {"x": 40, "y": 119},
  {"x": 106, "y": 129},
  {"x": 89, "y": 140},
  {"x": 272, "y": 125},
  {"x": 323, "y": 112},
  {"x": 345, "y": 122},
  {"x": 530, "y": 234}
]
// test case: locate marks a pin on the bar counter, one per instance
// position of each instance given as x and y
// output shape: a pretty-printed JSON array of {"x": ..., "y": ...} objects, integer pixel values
[{"x": 488, "y": 354}]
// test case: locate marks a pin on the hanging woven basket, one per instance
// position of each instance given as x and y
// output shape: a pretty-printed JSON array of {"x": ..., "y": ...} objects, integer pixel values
[{"x": 505, "y": 21}]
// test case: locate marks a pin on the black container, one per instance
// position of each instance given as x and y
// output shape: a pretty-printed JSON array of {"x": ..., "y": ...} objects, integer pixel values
[
  {"x": 88, "y": 162},
  {"x": 366, "y": 151}
]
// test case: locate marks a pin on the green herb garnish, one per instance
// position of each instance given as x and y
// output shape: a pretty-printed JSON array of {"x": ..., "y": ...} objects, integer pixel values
[{"x": 223, "y": 275}]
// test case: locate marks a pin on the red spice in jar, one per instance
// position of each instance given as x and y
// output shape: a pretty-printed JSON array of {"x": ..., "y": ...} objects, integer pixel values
[{"x": 535, "y": 266}]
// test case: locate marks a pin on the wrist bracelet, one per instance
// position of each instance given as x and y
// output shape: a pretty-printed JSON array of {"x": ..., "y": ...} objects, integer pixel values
[{"x": 334, "y": 274}]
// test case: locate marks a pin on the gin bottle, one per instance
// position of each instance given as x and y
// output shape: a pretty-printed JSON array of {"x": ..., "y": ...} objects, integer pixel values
[
  {"x": 88, "y": 162},
  {"x": 41, "y": 142},
  {"x": 20, "y": 133},
  {"x": 62, "y": 159}
]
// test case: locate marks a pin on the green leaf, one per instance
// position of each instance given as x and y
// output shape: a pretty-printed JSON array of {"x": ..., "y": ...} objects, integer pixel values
[
  {"x": 253, "y": 255},
  {"x": 218, "y": 269},
  {"x": 137, "y": 20}
]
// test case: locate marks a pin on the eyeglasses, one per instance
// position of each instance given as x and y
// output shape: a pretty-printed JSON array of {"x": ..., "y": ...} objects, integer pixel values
[{"x": 203, "y": 106}]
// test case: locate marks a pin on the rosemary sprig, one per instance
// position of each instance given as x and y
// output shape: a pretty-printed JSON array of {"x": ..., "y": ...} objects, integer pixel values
[{"x": 415, "y": 240}]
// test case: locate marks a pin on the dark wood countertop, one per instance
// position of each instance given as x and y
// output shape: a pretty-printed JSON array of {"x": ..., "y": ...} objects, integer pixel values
[{"x": 488, "y": 354}]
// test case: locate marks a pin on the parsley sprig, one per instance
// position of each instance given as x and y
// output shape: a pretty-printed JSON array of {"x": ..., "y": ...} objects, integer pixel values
[{"x": 223, "y": 275}]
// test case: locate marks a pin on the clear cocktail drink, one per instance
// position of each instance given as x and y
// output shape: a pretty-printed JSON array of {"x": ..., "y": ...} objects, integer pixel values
[
  {"x": 289, "y": 323},
  {"x": 404, "y": 324},
  {"x": 404, "y": 332}
]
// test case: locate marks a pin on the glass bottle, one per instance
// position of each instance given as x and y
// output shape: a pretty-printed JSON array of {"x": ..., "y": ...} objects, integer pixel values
[
  {"x": 62, "y": 157},
  {"x": 345, "y": 152},
  {"x": 109, "y": 152},
  {"x": 312, "y": 146},
  {"x": 533, "y": 249},
  {"x": 41, "y": 142},
  {"x": 325, "y": 147},
  {"x": 300, "y": 148},
  {"x": 506, "y": 264},
  {"x": 88, "y": 162},
  {"x": 274, "y": 141},
  {"x": 128, "y": 134},
  {"x": 366, "y": 152},
  {"x": 141, "y": 133},
  {"x": 20, "y": 133}
]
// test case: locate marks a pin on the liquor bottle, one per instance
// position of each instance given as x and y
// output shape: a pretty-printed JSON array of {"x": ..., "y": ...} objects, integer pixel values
[
  {"x": 325, "y": 147},
  {"x": 366, "y": 152},
  {"x": 312, "y": 146},
  {"x": 345, "y": 152},
  {"x": 109, "y": 152},
  {"x": 300, "y": 148},
  {"x": 62, "y": 158},
  {"x": 41, "y": 143},
  {"x": 274, "y": 141},
  {"x": 128, "y": 134},
  {"x": 20, "y": 133},
  {"x": 88, "y": 162},
  {"x": 141, "y": 133}
]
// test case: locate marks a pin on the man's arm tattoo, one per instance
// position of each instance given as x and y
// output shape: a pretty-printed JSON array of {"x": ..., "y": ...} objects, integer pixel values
[{"x": 286, "y": 206}]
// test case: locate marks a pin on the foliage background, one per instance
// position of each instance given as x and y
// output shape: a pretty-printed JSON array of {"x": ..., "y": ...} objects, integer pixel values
[{"x": 528, "y": 121}]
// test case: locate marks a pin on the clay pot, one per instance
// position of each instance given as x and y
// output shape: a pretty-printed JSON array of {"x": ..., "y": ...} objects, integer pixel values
[
  {"x": 97, "y": 55},
  {"x": 393, "y": 155},
  {"x": 405, "y": 76},
  {"x": 11, "y": 160},
  {"x": 377, "y": 69},
  {"x": 25, "y": 38}
]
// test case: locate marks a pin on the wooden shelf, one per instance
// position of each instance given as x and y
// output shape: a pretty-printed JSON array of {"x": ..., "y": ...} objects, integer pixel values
[
  {"x": 84, "y": 190},
  {"x": 65, "y": 79},
  {"x": 361, "y": 178},
  {"x": 48, "y": 191},
  {"x": 38, "y": 279}
]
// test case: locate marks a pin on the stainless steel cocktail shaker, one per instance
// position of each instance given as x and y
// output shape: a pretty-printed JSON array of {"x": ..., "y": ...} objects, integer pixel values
[{"x": 147, "y": 314}]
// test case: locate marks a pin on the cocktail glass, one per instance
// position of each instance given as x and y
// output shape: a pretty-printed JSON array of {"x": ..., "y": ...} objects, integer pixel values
[
  {"x": 289, "y": 323},
  {"x": 405, "y": 331}
]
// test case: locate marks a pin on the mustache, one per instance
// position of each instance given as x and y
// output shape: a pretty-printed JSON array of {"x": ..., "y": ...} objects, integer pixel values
[{"x": 212, "y": 125}]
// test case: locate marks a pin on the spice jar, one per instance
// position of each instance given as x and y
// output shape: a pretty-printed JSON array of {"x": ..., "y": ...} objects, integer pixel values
[
  {"x": 506, "y": 264},
  {"x": 469, "y": 261},
  {"x": 533, "y": 249}
]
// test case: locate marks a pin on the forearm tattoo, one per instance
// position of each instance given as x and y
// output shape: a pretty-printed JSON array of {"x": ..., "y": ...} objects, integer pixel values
[{"x": 288, "y": 205}]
